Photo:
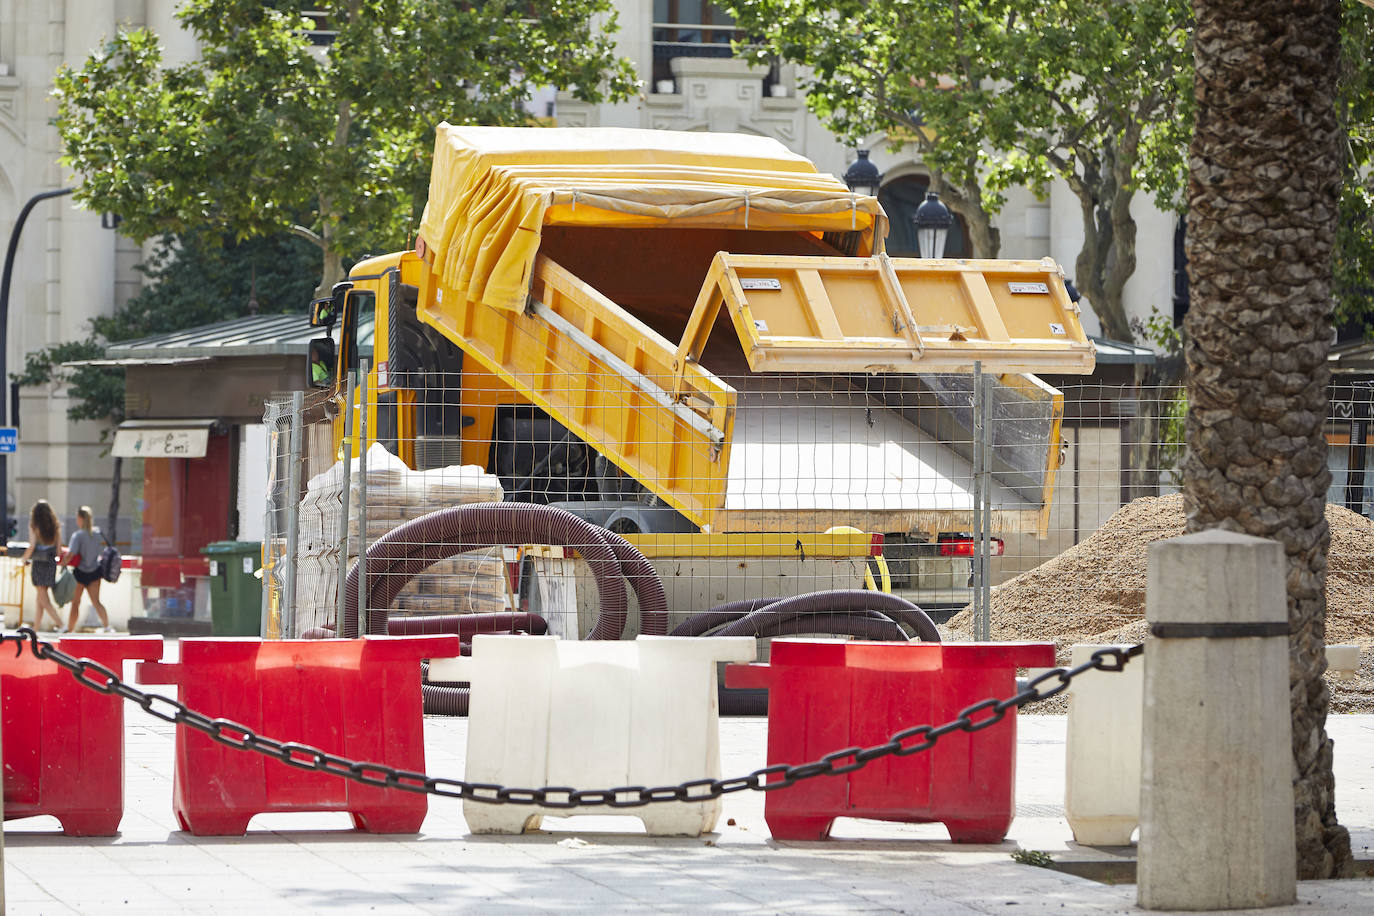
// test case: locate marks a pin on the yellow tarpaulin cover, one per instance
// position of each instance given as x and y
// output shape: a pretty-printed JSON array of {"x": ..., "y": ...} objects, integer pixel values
[{"x": 492, "y": 190}]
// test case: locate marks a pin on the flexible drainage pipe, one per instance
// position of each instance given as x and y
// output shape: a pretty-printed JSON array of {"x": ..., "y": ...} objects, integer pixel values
[
  {"x": 395, "y": 558},
  {"x": 402, "y": 553},
  {"x": 831, "y": 602},
  {"x": 765, "y": 623},
  {"x": 701, "y": 624}
]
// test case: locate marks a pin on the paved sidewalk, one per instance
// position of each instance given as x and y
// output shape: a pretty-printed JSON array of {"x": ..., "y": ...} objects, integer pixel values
[{"x": 315, "y": 863}]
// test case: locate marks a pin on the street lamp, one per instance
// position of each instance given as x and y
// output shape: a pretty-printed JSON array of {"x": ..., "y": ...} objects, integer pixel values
[
  {"x": 4, "y": 337},
  {"x": 932, "y": 220},
  {"x": 863, "y": 176}
]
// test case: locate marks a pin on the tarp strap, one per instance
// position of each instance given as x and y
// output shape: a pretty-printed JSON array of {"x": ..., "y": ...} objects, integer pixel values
[
  {"x": 746, "y": 209},
  {"x": 853, "y": 212}
]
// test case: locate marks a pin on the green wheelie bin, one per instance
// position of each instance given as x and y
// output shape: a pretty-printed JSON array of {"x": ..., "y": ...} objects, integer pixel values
[{"x": 235, "y": 592}]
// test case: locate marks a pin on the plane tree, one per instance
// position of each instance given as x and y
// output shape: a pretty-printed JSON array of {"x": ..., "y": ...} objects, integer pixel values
[{"x": 320, "y": 127}]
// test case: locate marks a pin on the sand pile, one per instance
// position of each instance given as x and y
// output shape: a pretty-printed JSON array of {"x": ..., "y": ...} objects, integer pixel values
[{"x": 1095, "y": 591}]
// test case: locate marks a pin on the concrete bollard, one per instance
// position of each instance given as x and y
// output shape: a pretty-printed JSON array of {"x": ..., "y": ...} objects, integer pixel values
[
  {"x": 593, "y": 715},
  {"x": 1102, "y": 763},
  {"x": 1216, "y": 801}
]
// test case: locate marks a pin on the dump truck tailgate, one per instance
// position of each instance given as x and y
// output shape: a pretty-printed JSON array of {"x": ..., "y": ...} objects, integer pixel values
[{"x": 882, "y": 314}]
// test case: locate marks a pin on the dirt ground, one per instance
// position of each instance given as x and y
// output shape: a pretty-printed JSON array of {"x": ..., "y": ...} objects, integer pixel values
[{"x": 1095, "y": 593}]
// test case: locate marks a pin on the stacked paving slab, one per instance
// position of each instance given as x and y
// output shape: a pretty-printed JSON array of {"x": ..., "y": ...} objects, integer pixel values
[{"x": 469, "y": 583}]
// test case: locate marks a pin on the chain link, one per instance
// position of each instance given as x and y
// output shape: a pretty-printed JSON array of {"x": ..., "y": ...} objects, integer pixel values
[{"x": 977, "y": 717}]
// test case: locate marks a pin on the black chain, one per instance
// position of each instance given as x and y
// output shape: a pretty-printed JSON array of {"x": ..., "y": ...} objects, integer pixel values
[{"x": 303, "y": 756}]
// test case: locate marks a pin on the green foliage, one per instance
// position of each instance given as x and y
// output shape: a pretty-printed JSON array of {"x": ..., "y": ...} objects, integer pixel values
[
  {"x": 1006, "y": 93},
  {"x": 263, "y": 127},
  {"x": 199, "y": 279},
  {"x": 885, "y": 65},
  {"x": 1170, "y": 430},
  {"x": 1037, "y": 857},
  {"x": 203, "y": 278},
  {"x": 1082, "y": 83},
  {"x": 97, "y": 393}
]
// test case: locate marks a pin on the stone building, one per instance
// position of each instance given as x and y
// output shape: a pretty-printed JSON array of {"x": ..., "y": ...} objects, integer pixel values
[{"x": 67, "y": 268}]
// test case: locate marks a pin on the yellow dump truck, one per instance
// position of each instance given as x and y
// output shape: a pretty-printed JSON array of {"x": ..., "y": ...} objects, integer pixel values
[{"x": 685, "y": 335}]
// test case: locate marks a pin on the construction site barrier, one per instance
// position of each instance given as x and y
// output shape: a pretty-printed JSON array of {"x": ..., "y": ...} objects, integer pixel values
[
  {"x": 63, "y": 743},
  {"x": 546, "y": 711},
  {"x": 359, "y": 697},
  {"x": 827, "y": 694},
  {"x": 241, "y": 661},
  {"x": 1104, "y": 745}
]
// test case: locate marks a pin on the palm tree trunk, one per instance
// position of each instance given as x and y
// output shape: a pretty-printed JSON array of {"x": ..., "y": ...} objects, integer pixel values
[{"x": 1265, "y": 167}]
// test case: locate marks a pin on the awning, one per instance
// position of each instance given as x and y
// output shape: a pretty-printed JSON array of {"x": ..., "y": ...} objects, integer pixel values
[{"x": 162, "y": 438}]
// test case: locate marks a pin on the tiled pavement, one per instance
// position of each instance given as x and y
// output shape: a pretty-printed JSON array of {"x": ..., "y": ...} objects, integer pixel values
[{"x": 314, "y": 863}]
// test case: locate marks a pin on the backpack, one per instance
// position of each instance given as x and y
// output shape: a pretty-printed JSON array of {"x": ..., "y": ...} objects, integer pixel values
[{"x": 110, "y": 563}]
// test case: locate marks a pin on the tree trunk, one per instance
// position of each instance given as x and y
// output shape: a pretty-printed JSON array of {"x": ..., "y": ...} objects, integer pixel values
[
  {"x": 112, "y": 531},
  {"x": 1107, "y": 258},
  {"x": 967, "y": 201},
  {"x": 331, "y": 270},
  {"x": 1265, "y": 167}
]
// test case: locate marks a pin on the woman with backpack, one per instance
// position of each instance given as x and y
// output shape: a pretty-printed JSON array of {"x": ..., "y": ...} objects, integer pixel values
[
  {"x": 42, "y": 554},
  {"x": 84, "y": 554}
]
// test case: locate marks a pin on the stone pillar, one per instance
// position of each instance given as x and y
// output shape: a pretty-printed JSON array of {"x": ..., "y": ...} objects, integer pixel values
[{"x": 1216, "y": 800}]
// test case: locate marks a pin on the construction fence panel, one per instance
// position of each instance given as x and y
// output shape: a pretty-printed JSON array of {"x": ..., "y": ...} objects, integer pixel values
[{"x": 816, "y": 483}]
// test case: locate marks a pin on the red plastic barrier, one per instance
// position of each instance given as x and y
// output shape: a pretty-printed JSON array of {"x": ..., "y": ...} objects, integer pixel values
[
  {"x": 64, "y": 742},
  {"x": 357, "y": 698},
  {"x": 826, "y": 695}
]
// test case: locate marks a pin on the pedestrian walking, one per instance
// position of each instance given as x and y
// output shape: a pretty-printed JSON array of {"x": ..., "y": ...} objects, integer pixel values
[
  {"x": 42, "y": 554},
  {"x": 83, "y": 554}
]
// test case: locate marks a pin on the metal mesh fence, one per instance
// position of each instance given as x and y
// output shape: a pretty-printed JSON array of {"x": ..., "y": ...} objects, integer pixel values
[{"x": 804, "y": 483}]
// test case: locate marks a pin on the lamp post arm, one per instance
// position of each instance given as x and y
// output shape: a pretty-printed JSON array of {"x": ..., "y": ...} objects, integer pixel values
[{"x": 5, "y": 337}]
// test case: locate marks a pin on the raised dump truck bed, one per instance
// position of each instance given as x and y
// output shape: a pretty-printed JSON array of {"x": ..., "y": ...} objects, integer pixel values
[{"x": 685, "y": 304}]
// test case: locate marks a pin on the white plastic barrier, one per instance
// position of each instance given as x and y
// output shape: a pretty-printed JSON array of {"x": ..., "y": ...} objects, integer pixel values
[
  {"x": 593, "y": 715},
  {"x": 1343, "y": 660},
  {"x": 1102, "y": 769},
  {"x": 122, "y": 599},
  {"x": 1102, "y": 765}
]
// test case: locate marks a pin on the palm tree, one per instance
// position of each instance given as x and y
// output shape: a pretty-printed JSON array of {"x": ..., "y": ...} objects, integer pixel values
[{"x": 1265, "y": 173}]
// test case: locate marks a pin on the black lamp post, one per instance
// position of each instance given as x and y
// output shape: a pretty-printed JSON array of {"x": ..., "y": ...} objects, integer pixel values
[
  {"x": 863, "y": 176},
  {"x": 932, "y": 220},
  {"x": 4, "y": 339}
]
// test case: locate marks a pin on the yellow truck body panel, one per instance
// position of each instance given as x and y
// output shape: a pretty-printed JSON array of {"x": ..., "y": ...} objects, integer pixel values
[{"x": 648, "y": 289}]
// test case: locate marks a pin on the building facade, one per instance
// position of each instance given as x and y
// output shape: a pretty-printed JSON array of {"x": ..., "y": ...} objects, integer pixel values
[{"x": 67, "y": 268}]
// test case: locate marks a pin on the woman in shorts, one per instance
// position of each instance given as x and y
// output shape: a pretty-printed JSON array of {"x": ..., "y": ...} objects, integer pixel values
[
  {"x": 45, "y": 545},
  {"x": 84, "y": 554}
]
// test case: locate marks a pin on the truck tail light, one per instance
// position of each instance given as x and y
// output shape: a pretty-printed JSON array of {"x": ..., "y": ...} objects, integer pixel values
[{"x": 964, "y": 547}]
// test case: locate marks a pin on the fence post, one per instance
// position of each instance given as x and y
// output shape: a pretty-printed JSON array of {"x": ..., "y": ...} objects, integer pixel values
[
  {"x": 293, "y": 508},
  {"x": 982, "y": 610},
  {"x": 985, "y": 544},
  {"x": 363, "y": 592},
  {"x": 270, "y": 417},
  {"x": 1216, "y": 799},
  {"x": 343, "y": 505}
]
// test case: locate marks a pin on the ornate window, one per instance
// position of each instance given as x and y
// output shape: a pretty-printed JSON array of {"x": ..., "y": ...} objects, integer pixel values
[{"x": 689, "y": 28}]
